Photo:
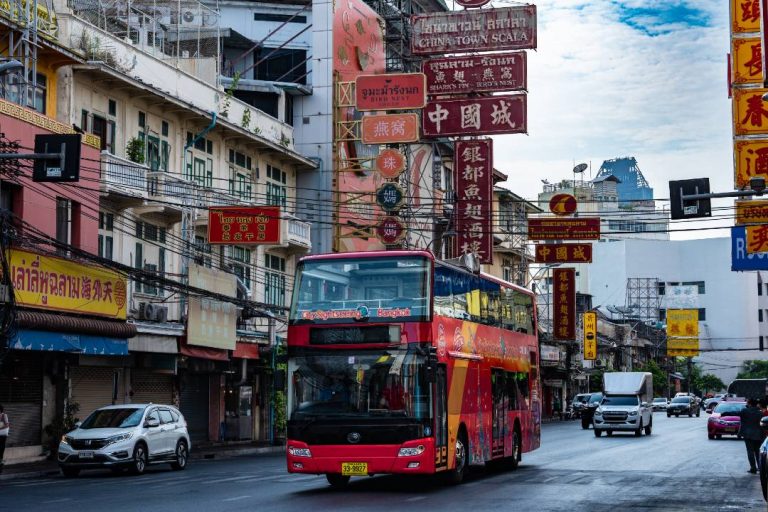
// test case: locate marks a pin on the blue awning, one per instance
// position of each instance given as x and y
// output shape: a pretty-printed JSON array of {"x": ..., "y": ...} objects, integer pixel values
[{"x": 29, "y": 339}]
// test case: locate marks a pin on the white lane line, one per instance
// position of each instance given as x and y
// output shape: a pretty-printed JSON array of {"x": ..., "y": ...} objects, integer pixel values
[
  {"x": 236, "y": 498},
  {"x": 417, "y": 498},
  {"x": 228, "y": 479},
  {"x": 58, "y": 501}
]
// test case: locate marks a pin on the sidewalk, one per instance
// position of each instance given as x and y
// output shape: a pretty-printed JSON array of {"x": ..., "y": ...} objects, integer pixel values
[{"x": 209, "y": 451}]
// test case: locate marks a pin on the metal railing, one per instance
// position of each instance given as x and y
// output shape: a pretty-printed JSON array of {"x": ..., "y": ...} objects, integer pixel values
[{"x": 123, "y": 175}]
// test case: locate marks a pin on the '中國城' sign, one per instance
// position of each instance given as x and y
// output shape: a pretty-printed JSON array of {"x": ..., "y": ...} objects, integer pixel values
[{"x": 474, "y": 182}]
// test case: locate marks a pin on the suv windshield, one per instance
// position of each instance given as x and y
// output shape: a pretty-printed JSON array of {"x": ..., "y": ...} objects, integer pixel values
[
  {"x": 596, "y": 397},
  {"x": 621, "y": 400},
  {"x": 114, "y": 418},
  {"x": 681, "y": 400}
]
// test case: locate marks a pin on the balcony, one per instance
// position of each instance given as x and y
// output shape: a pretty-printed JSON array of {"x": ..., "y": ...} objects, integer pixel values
[
  {"x": 296, "y": 235},
  {"x": 169, "y": 189},
  {"x": 123, "y": 180}
]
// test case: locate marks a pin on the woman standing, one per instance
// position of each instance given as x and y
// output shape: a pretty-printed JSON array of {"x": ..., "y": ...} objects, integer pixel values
[{"x": 4, "y": 429}]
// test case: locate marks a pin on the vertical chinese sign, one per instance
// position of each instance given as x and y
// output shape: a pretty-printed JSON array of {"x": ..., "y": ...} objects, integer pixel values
[
  {"x": 473, "y": 170},
  {"x": 564, "y": 303},
  {"x": 682, "y": 332},
  {"x": 590, "y": 336}
]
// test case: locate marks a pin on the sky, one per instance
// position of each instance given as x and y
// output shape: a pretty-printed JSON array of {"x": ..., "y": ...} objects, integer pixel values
[{"x": 641, "y": 78}]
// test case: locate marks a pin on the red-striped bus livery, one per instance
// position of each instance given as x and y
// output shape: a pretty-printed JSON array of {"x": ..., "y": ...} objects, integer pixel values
[{"x": 400, "y": 363}]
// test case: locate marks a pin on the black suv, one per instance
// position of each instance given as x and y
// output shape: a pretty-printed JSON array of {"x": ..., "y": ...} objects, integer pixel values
[
  {"x": 588, "y": 411},
  {"x": 683, "y": 405}
]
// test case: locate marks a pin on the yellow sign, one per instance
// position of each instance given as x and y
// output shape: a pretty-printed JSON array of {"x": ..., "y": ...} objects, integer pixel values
[
  {"x": 750, "y": 113},
  {"x": 682, "y": 323},
  {"x": 751, "y": 212},
  {"x": 683, "y": 347},
  {"x": 47, "y": 282},
  {"x": 745, "y": 16},
  {"x": 747, "y": 61},
  {"x": 590, "y": 336},
  {"x": 757, "y": 238},
  {"x": 682, "y": 353},
  {"x": 751, "y": 159}
]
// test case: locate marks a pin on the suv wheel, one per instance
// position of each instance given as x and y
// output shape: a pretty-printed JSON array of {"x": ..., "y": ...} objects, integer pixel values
[
  {"x": 181, "y": 456},
  {"x": 139, "y": 462}
]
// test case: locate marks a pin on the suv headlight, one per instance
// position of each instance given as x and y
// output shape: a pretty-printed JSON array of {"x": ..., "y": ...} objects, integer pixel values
[
  {"x": 598, "y": 412},
  {"x": 633, "y": 413},
  {"x": 65, "y": 439},
  {"x": 119, "y": 437}
]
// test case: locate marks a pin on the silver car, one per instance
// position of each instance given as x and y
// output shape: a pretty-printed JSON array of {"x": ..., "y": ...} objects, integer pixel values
[
  {"x": 129, "y": 436},
  {"x": 660, "y": 404}
]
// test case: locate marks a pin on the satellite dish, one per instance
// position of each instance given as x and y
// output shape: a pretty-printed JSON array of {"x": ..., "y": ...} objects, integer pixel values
[{"x": 580, "y": 168}]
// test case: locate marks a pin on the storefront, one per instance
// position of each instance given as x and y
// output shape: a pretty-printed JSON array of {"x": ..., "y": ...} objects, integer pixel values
[{"x": 553, "y": 378}]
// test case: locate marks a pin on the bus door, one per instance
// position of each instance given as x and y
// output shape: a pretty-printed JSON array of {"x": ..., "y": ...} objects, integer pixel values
[
  {"x": 499, "y": 412},
  {"x": 441, "y": 418}
]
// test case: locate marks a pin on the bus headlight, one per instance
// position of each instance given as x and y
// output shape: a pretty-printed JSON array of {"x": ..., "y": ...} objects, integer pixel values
[
  {"x": 299, "y": 452},
  {"x": 411, "y": 452}
]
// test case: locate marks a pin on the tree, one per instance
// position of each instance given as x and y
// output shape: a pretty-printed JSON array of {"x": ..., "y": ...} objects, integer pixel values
[
  {"x": 711, "y": 382},
  {"x": 659, "y": 377},
  {"x": 754, "y": 370}
]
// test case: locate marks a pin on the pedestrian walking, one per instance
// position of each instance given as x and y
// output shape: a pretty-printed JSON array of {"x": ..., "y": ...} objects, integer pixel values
[
  {"x": 5, "y": 426},
  {"x": 751, "y": 433}
]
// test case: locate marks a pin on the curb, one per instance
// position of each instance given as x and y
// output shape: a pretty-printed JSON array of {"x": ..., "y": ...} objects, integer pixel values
[{"x": 29, "y": 474}]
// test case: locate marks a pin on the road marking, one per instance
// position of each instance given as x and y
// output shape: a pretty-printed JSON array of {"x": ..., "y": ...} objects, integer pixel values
[
  {"x": 228, "y": 479},
  {"x": 236, "y": 498},
  {"x": 58, "y": 501},
  {"x": 417, "y": 498}
]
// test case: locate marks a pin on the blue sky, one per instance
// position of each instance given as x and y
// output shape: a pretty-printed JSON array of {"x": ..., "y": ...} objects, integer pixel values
[{"x": 640, "y": 78}]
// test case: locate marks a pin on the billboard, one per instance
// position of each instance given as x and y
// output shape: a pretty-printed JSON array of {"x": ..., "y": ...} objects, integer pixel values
[
  {"x": 547, "y": 228},
  {"x": 244, "y": 225},
  {"x": 476, "y": 73},
  {"x": 212, "y": 323},
  {"x": 683, "y": 332},
  {"x": 391, "y": 91},
  {"x": 389, "y": 128},
  {"x": 563, "y": 253},
  {"x": 475, "y": 116},
  {"x": 504, "y": 28},
  {"x": 741, "y": 259},
  {"x": 564, "y": 300},
  {"x": 473, "y": 164},
  {"x": 749, "y": 212}
]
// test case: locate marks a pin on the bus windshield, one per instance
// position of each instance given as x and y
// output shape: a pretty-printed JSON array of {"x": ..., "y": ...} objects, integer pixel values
[
  {"x": 360, "y": 384},
  {"x": 351, "y": 290}
]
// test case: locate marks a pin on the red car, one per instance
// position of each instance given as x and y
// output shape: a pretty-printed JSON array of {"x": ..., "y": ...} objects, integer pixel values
[{"x": 725, "y": 420}]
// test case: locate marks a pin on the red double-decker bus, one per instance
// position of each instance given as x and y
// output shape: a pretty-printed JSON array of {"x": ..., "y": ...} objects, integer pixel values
[{"x": 400, "y": 363}]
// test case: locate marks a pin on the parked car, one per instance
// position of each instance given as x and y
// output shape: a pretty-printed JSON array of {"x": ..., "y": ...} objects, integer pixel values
[
  {"x": 660, "y": 404},
  {"x": 763, "y": 456},
  {"x": 725, "y": 420},
  {"x": 683, "y": 405},
  {"x": 588, "y": 412},
  {"x": 129, "y": 436}
]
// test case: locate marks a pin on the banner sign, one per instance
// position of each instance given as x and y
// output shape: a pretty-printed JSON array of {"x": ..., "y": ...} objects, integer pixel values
[
  {"x": 740, "y": 258},
  {"x": 212, "y": 323},
  {"x": 750, "y": 159},
  {"x": 563, "y": 253},
  {"x": 763, "y": 29},
  {"x": 582, "y": 228},
  {"x": 564, "y": 312},
  {"x": 473, "y": 169},
  {"x": 751, "y": 212},
  {"x": 682, "y": 347},
  {"x": 51, "y": 283},
  {"x": 590, "y": 335},
  {"x": 392, "y": 91},
  {"x": 504, "y": 28},
  {"x": 476, "y": 73},
  {"x": 240, "y": 225},
  {"x": 390, "y": 128},
  {"x": 475, "y": 116}
]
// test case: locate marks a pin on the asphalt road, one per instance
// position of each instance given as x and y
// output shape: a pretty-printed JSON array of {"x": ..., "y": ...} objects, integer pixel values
[{"x": 676, "y": 468}]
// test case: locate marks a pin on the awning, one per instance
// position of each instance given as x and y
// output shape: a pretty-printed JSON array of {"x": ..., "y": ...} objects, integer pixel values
[
  {"x": 58, "y": 322},
  {"x": 29, "y": 339},
  {"x": 214, "y": 354},
  {"x": 246, "y": 350}
]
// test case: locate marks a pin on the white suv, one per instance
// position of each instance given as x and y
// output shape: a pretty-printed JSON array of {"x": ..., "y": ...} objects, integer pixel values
[{"x": 126, "y": 436}]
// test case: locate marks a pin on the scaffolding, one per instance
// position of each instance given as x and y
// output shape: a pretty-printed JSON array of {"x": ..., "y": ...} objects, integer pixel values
[{"x": 643, "y": 300}]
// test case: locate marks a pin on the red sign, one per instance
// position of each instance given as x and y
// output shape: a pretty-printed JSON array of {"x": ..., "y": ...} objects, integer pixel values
[
  {"x": 390, "y": 163},
  {"x": 473, "y": 165},
  {"x": 472, "y": 3},
  {"x": 563, "y": 253},
  {"x": 504, "y": 28},
  {"x": 564, "y": 311},
  {"x": 763, "y": 29},
  {"x": 393, "y": 91},
  {"x": 476, "y": 73},
  {"x": 563, "y": 204},
  {"x": 390, "y": 128},
  {"x": 475, "y": 116},
  {"x": 582, "y": 228},
  {"x": 390, "y": 230},
  {"x": 238, "y": 225}
]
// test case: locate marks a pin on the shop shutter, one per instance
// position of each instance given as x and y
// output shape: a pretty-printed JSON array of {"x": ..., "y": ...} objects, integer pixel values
[
  {"x": 194, "y": 405},
  {"x": 92, "y": 388},
  {"x": 21, "y": 393},
  {"x": 151, "y": 387}
]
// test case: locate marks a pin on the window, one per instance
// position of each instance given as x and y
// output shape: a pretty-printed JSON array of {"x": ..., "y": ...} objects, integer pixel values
[
  {"x": 662, "y": 287},
  {"x": 698, "y": 284},
  {"x": 112, "y": 108},
  {"x": 662, "y": 315},
  {"x": 274, "y": 280},
  {"x": 199, "y": 170},
  {"x": 165, "y": 416},
  {"x": 241, "y": 265},
  {"x": 63, "y": 220},
  {"x": 37, "y": 93},
  {"x": 240, "y": 184},
  {"x": 201, "y": 144},
  {"x": 202, "y": 252},
  {"x": 288, "y": 18},
  {"x": 276, "y": 186},
  {"x": 759, "y": 315},
  {"x": 8, "y": 193},
  {"x": 702, "y": 314},
  {"x": 106, "y": 241},
  {"x": 760, "y": 289}
]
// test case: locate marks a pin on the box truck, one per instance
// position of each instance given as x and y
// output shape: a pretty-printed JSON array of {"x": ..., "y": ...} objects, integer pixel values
[{"x": 626, "y": 404}]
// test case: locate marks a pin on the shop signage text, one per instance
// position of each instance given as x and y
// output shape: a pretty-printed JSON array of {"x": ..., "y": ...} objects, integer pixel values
[
  {"x": 244, "y": 225},
  {"x": 475, "y": 116},
  {"x": 476, "y": 73}
]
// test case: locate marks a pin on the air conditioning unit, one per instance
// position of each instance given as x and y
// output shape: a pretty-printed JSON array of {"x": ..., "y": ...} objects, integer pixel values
[
  {"x": 189, "y": 18},
  {"x": 600, "y": 363},
  {"x": 161, "y": 313},
  {"x": 146, "y": 310}
]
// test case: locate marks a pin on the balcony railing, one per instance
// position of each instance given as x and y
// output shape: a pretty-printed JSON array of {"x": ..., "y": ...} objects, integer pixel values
[
  {"x": 122, "y": 176},
  {"x": 298, "y": 234},
  {"x": 169, "y": 188}
]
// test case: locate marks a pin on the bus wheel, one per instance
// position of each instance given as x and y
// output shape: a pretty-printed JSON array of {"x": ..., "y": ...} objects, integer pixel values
[
  {"x": 456, "y": 475},
  {"x": 514, "y": 460},
  {"x": 336, "y": 480}
]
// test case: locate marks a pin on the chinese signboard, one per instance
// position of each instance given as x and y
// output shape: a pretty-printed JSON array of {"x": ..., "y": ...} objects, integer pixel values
[
  {"x": 476, "y": 73},
  {"x": 390, "y": 128},
  {"x": 583, "y": 228},
  {"x": 563, "y": 253},
  {"x": 745, "y": 16},
  {"x": 564, "y": 312},
  {"x": 747, "y": 61},
  {"x": 393, "y": 91},
  {"x": 244, "y": 225},
  {"x": 390, "y": 163},
  {"x": 475, "y": 116},
  {"x": 590, "y": 336},
  {"x": 682, "y": 347},
  {"x": 757, "y": 238},
  {"x": 750, "y": 113},
  {"x": 389, "y": 196},
  {"x": 473, "y": 168},
  {"x": 740, "y": 258},
  {"x": 563, "y": 204},
  {"x": 751, "y": 159},
  {"x": 751, "y": 212},
  {"x": 506, "y": 28},
  {"x": 47, "y": 282},
  {"x": 683, "y": 332},
  {"x": 390, "y": 230},
  {"x": 212, "y": 323}
]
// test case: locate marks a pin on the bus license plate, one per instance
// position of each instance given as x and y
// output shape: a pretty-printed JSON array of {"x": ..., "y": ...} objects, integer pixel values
[{"x": 354, "y": 468}]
